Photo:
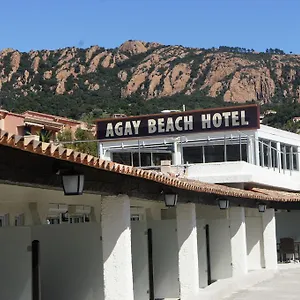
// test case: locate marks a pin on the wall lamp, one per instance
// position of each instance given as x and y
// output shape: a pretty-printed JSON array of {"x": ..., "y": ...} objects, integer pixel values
[
  {"x": 262, "y": 207},
  {"x": 72, "y": 182},
  {"x": 223, "y": 203},
  {"x": 170, "y": 199}
]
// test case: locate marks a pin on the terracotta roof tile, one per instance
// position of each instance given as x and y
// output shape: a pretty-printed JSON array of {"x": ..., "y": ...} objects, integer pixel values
[{"x": 71, "y": 155}]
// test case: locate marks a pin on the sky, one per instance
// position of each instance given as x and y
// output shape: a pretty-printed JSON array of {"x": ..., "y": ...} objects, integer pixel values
[{"x": 257, "y": 24}]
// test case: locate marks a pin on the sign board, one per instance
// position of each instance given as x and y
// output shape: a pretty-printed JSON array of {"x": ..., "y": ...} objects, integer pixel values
[{"x": 206, "y": 120}]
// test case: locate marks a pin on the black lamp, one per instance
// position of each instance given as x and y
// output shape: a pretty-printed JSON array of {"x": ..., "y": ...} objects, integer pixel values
[
  {"x": 223, "y": 203},
  {"x": 170, "y": 199},
  {"x": 262, "y": 207},
  {"x": 73, "y": 182}
]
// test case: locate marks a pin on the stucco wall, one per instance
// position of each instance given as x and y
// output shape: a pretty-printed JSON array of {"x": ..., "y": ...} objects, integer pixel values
[
  {"x": 165, "y": 258},
  {"x": 202, "y": 257},
  {"x": 240, "y": 171},
  {"x": 71, "y": 261},
  {"x": 254, "y": 242},
  {"x": 139, "y": 248},
  {"x": 15, "y": 264},
  {"x": 11, "y": 123},
  {"x": 220, "y": 249}
]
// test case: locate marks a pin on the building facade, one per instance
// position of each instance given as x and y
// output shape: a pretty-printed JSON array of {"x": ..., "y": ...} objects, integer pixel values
[
  {"x": 119, "y": 240},
  {"x": 36, "y": 125},
  {"x": 260, "y": 156}
]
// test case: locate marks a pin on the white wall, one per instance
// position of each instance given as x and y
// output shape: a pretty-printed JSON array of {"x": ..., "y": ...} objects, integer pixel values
[
  {"x": 15, "y": 263},
  {"x": 165, "y": 258},
  {"x": 254, "y": 242},
  {"x": 220, "y": 249},
  {"x": 288, "y": 225},
  {"x": 139, "y": 248},
  {"x": 71, "y": 261},
  {"x": 219, "y": 237},
  {"x": 240, "y": 171},
  {"x": 202, "y": 257}
]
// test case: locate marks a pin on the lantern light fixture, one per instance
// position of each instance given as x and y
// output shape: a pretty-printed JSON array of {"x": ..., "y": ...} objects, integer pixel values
[
  {"x": 262, "y": 207},
  {"x": 223, "y": 203},
  {"x": 170, "y": 199},
  {"x": 72, "y": 182}
]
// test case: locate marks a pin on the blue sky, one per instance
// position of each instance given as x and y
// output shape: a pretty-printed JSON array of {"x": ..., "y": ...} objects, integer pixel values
[{"x": 258, "y": 24}]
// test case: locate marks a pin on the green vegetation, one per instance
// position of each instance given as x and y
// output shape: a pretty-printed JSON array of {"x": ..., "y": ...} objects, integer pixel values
[{"x": 89, "y": 147}]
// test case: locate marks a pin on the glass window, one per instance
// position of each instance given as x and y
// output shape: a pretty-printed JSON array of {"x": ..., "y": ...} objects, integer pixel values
[
  {"x": 158, "y": 157},
  {"x": 283, "y": 156},
  {"x": 288, "y": 157},
  {"x": 236, "y": 152},
  {"x": 295, "y": 158},
  {"x": 122, "y": 158},
  {"x": 193, "y": 154},
  {"x": 274, "y": 155},
  {"x": 214, "y": 153},
  {"x": 266, "y": 154}
]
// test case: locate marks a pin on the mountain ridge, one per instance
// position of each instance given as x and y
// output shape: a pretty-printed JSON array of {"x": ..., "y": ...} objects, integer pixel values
[{"x": 141, "y": 77}]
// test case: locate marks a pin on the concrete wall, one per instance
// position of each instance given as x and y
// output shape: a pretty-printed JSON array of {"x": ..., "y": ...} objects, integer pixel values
[
  {"x": 11, "y": 123},
  {"x": 15, "y": 264},
  {"x": 71, "y": 261},
  {"x": 139, "y": 248},
  {"x": 220, "y": 249},
  {"x": 288, "y": 225},
  {"x": 240, "y": 171},
  {"x": 165, "y": 258},
  {"x": 202, "y": 256},
  {"x": 254, "y": 242}
]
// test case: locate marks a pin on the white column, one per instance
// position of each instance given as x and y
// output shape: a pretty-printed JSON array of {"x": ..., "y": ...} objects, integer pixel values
[
  {"x": 177, "y": 155},
  {"x": 269, "y": 239},
  {"x": 256, "y": 149},
  {"x": 250, "y": 151},
  {"x": 187, "y": 250},
  {"x": 238, "y": 241},
  {"x": 278, "y": 153},
  {"x": 298, "y": 158},
  {"x": 116, "y": 241}
]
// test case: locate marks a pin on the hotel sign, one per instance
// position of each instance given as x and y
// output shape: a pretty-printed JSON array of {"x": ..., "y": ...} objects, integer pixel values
[{"x": 206, "y": 120}]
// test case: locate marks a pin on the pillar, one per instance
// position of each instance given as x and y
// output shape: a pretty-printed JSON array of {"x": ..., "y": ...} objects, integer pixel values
[
  {"x": 269, "y": 239},
  {"x": 116, "y": 243},
  {"x": 177, "y": 155},
  {"x": 256, "y": 149},
  {"x": 238, "y": 241},
  {"x": 278, "y": 153},
  {"x": 187, "y": 250}
]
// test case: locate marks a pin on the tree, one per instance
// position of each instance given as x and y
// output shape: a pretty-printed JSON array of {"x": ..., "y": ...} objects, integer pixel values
[{"x": 82, "y": 141}]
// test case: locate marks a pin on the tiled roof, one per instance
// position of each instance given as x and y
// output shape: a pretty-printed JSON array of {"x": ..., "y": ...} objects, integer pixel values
[{"x": 70, "y": 155}]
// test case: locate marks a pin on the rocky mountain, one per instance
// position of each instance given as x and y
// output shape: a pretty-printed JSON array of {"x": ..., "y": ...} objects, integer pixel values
[{"x": 140, "y": 77}]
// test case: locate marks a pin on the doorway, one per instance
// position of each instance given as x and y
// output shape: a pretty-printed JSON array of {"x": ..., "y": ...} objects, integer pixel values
[{"x": 209, "y": 281}]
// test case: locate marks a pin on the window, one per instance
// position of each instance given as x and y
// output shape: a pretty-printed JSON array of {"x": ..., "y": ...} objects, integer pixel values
[
  {"x": 274, "y": 155},
  {"x": 53, "y": 220},
  {"x": 214, "y": 153},
  {"x": 268, "y": 153},
  {"x": 289, "y": 157},
  {"x": 20, "y": 220},
  {"x": 283, "y": 156},
  {"x": 295, "y": 158},
  {"x": 27, "y": 130},
  {"x": 193, "y": 154},
  {"x": 77, "y": 219},
  {"x": 4, "y": 220},
  {"x": 135, "y": 217},
  {"x": 143, "y": 159},
  {"x": 122, "y": 158},
  {"x": 236, "y": 152}
]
